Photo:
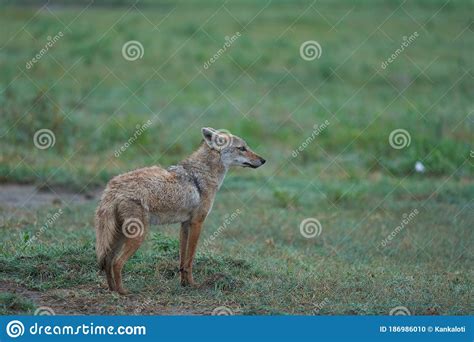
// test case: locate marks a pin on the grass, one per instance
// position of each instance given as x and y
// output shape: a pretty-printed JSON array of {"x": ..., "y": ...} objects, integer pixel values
[
  {"x": 349, "y": 177},
  {"x": 11, "y": 303},
  {"x": 262, "y": 265}
]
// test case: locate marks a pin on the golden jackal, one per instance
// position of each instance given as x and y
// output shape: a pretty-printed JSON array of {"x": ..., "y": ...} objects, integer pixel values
[{"x": 183, "y": 193}]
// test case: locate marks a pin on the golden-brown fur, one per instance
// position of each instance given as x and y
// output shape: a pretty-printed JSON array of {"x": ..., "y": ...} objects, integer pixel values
[{"x": 180, "y": 194}]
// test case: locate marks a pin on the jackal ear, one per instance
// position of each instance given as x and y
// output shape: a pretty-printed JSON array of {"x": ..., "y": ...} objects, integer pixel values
[{"x": 208, "y": 133}]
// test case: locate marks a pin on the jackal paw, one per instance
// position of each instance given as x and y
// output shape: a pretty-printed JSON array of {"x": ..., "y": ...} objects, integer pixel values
[
  {"x": 187, "y": 278},
  {"x": 188, "y": 282},
  {"x": 122, "y": 291}
]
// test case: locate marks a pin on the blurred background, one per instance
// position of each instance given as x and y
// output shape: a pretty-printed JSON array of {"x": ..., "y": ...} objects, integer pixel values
[{"x": 363, "y": 111}]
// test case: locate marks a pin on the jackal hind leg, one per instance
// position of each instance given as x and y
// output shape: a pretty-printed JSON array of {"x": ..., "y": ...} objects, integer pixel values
[
  {"x": 133, "y": 228},
  {"x": 109, "y": 262}
]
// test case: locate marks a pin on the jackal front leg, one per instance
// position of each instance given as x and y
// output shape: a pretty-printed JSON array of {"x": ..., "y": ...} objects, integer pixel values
[
  {"x": 186, "y": 265},
  {"x": 183, "y": 246}
]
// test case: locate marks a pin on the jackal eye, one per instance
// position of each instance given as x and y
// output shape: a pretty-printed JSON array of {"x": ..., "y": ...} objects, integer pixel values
[{"x": 242, "y": 148}]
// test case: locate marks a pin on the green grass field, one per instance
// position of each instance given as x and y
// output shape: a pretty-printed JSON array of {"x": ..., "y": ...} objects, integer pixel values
[{"x": 345, "y": 172}]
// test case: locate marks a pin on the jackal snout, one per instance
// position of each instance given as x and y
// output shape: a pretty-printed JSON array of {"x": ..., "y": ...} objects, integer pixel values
[{"x": 254, "y": 160}]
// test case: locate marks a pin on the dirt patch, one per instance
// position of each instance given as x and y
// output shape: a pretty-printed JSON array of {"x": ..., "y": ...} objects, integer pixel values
[
  {"x": 95, "y": 300},
  {"x": 31, "y": 196}
]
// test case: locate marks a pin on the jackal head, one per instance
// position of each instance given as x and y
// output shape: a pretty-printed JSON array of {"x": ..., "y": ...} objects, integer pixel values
[{"x": 234, "y": 150}]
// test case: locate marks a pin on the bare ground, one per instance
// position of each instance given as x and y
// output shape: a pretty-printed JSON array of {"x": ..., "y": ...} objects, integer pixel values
[
  {"x": 70, "y": 301},
  {"x": 31, "y": 197}
]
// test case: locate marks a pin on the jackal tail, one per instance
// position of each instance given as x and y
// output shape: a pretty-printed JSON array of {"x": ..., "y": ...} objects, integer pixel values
[{"x": 106, "y": 231}]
